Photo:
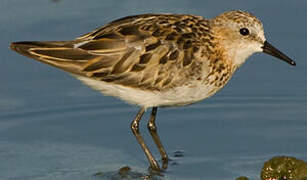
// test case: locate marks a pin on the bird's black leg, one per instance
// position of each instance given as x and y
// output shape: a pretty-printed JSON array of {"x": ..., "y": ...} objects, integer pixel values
[
  {"x": 135, "y": 129},
  {"x": 153, "y": 131}
]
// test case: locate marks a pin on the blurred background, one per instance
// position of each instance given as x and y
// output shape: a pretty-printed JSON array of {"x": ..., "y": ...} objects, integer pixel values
[{"x": 54, "y": 127}]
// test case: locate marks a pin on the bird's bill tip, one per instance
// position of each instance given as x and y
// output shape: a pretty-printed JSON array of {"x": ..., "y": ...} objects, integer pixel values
[{"x": 271, "y": 50}]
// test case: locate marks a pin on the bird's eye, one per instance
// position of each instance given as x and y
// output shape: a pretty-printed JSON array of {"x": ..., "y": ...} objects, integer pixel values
[{"x": 244, "y": 31}]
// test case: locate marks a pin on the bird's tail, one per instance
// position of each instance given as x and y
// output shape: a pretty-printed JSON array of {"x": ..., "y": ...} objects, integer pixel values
[
  {"x": 60, "y": 54},
  {"x": 30, "y": 48}
]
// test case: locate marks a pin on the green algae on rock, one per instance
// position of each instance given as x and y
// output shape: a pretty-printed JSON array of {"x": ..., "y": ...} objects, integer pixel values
[{"x": 284, "y": 168}]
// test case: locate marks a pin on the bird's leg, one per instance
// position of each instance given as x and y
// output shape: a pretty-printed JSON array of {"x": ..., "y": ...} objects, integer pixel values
[
  {"x": 135, "y": 129},
  {"x": 153, "y": 131}
]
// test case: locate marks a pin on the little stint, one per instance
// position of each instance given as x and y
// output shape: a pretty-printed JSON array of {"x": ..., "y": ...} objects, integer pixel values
[{"x": 158, "y": 60}]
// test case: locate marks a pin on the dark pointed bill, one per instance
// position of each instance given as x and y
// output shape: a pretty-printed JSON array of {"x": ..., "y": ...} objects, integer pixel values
[{"x": 271, "y": 50}]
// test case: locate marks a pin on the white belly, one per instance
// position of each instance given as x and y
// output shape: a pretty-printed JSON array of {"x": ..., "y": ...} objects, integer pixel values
[{"x": 175, "y": 97}]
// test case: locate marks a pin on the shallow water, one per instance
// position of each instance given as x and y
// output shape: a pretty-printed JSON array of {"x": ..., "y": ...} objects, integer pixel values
[{"x": 53, "y": 127}]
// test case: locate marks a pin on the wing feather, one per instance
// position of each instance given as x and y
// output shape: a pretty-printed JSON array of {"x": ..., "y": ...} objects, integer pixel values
[{"x": 146, "y": 51}]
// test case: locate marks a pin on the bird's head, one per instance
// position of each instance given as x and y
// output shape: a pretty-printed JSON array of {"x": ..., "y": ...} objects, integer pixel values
[{"x": 241, "y": 34}]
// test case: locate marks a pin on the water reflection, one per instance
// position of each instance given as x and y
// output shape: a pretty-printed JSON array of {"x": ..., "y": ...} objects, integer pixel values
[
  {"x": 276, "y": 168},
  {"x": 125, "y": 173},
  {"x": 128, "y": 172}
]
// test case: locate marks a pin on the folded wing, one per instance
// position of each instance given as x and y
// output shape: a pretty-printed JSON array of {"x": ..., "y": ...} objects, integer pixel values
[{"x": 137, "y": 51}]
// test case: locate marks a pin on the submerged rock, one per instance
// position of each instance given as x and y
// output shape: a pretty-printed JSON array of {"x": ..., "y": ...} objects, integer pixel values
[{"x": 242, "y": 178}]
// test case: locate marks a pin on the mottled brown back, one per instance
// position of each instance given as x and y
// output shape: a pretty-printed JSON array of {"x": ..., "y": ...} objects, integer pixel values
[{"x": 151, "y": 51}]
